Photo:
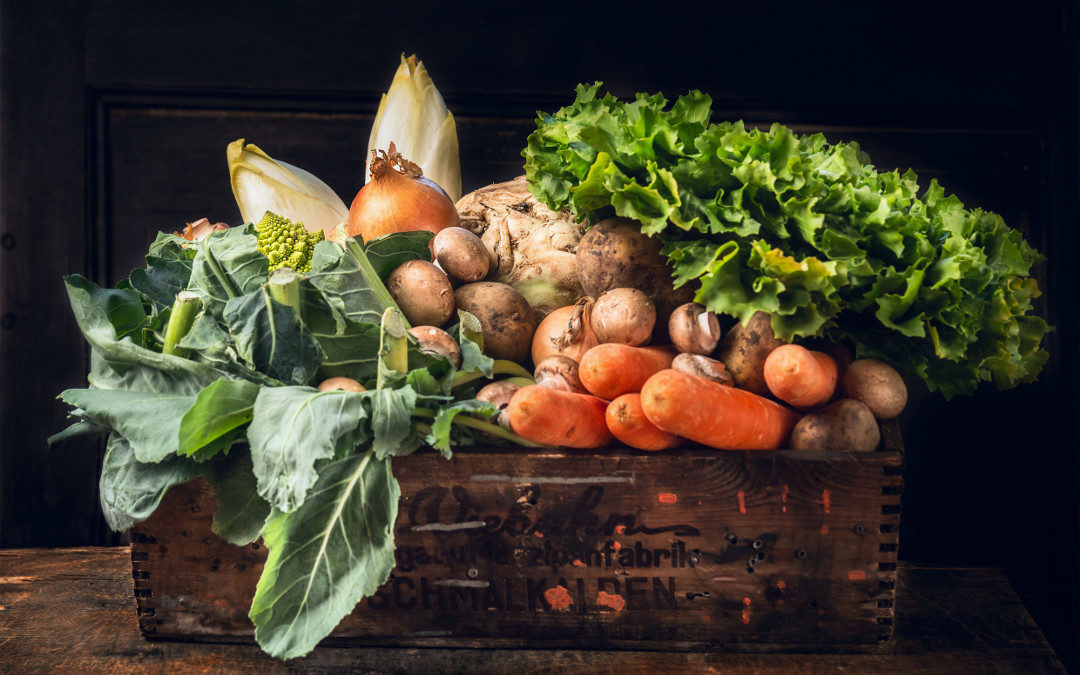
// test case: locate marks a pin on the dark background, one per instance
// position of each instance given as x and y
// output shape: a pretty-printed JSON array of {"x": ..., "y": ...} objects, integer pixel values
[{"x": 115, "y": 114}]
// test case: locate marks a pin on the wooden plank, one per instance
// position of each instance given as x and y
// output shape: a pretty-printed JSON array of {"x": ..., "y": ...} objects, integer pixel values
[
  {"x": 45, "y": 497},
  {"x": 954, "y": 621},
  {"x": 672, "y": 550}
]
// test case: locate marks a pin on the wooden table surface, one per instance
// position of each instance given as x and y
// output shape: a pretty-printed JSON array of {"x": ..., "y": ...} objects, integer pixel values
[{"x": 72, "y": 610}]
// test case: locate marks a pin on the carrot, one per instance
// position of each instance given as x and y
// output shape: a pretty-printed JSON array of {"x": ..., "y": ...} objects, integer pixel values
[
  {"x": 800, "y": 377},
  {"x": 627, "y": 421},
  {"x": 555, "y": 417},
  {"x": 610, "y": 370},
  {"x": 715, "y": 415}
]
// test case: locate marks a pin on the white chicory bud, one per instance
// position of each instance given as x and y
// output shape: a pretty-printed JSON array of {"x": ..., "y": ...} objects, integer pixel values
[
  {"x": 261, "y": 183},
  {"x": 412, "y": 115}
]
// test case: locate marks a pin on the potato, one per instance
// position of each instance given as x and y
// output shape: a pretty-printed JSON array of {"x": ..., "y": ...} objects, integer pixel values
[
  {"x": 423, "y": 293},
  {"x": 845, "y": 425},
  {"x": 878, "y": 385},
  {"x": 744, "y": 350},
  {"x": 623, "y": 315},
  {"x": 505, "y": 316},
  {"x": 615, "y": 254}
]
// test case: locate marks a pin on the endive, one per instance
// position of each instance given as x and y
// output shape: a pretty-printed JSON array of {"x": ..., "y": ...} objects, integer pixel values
[
  {"x": 261, "y": 183},
  {"x": 412, "y": 115}
]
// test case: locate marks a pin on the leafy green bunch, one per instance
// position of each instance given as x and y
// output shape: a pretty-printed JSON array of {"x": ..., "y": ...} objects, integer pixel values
[
  {"x": 202, "y": 365},
  {"x": 807, "y": 231}
]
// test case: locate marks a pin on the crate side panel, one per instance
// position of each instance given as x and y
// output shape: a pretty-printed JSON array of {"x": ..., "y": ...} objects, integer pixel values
[{"x": 549, "y": 548}]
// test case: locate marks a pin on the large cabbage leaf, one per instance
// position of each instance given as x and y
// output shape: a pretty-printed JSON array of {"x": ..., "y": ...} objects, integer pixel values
[{"x": 806, "y": 230}]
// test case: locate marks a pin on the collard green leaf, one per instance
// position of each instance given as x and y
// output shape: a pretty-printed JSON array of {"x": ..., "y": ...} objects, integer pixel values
[
  {"x": 241, "y": 512},
  {"x": 149, "y": 421},
  {"x": 167, "y": 272},
  {"x": 808, "y": 231},
  {"x": 349, "y": 280},
  {"x": 220, "y": 408},
  {"x": 77, "y": 431},
  {"x": 270, "y": 337},
  {"x": 470, "y": 337},
  {"x": 391, "y": 419},
  {"x": 441, "y": 428},
  {"x": 130, "y": 490},
  {"x": 122, "y": 309},
  {"x": 227, "y": 265},
  {"x": 121, "y": 363},
  {"x": 292, "y": 429},
  {"x": 326, "y": 556},
  {"x": 385, "y": 253}
]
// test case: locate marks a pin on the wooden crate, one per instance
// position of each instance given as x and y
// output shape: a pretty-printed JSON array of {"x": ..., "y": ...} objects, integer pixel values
[{"x": 686, "y": 549}]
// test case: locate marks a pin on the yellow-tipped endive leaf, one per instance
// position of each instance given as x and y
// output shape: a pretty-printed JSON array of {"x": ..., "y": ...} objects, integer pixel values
[
  {"x": 261, "y": 183},
  {"x": 413, "y": 117}
]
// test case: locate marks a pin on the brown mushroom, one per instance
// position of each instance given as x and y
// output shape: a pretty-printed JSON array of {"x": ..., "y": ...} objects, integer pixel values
[
  {"x": 559, "y": 372},
  {"x": 461, "y": 254},
  {"x": 693, "y": 329},
  {"x": 499, "y": 394},
  {"x": 438, "y": 342},
  {"x": 624, "y": 316},
  {"x": 703, "y": 366},
  {"x": 423, "y": 292}
]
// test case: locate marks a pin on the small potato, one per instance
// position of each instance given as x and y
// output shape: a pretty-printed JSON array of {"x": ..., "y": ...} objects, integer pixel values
[
  {"x": 423, "y": 293},
  {"x": 461, "y": 254},
  {"x": 615, "y": 253},
  {"x": 623, "y": 316},
  {"x": 505, "y": 316},
  {"x": 342, "y": 383},
  {"x": 744, "y": 350},
  {"x": 842, "y": 426},
  {"x": 878, "y": 385}
]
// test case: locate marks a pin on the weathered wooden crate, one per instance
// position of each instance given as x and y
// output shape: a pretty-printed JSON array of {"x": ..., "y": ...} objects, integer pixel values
[{"x": 676, "y": 550}]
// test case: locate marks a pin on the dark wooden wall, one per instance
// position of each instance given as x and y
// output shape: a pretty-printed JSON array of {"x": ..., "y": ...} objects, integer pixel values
[{"x": 115, "y": 114}]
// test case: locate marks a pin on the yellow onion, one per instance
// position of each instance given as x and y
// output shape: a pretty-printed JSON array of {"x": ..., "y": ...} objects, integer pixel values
[
  {"x": 565, "y": 332},
  {"x": 398, "y": 199}
]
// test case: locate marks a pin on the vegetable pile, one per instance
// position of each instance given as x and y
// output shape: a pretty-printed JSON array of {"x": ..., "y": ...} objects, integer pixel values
[
  {"x": 805, "y": 230},
  {"x": 289, "y": 359}
]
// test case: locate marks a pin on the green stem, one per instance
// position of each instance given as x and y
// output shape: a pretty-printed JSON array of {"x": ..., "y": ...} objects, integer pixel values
[
  {"x": 184, "y": 310},
  {"x": 480, "y": 425},
  {"x": 393, "y": 347},
  {"x": 374, "y": 282},
  {"x": 521, "y": 381},
  {"x": 284, "y": 286},
  {"x": 212, "y": 262},
  {"x": 500, "y": 367}
]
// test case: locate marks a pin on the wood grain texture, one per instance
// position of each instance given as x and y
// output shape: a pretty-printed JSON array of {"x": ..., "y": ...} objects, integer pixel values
[
  {"x": 620, "y": 548},
  {"x": 952, "y": 620}
]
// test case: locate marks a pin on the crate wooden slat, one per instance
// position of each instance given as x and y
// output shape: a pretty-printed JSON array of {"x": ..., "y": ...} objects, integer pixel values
[{"x": 617, "y": 548}]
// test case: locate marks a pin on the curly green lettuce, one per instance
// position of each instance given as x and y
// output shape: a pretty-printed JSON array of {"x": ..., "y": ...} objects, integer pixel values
[{"x": 806, "y": 230}]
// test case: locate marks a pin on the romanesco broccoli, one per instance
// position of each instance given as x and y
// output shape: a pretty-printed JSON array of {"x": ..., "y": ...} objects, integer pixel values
[{"x": 285, "y": 243}]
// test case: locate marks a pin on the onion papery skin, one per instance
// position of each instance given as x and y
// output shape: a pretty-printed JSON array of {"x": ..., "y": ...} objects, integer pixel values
[
  {"x": 555, "y": 326},
  {"x": 394, "y": 202}
]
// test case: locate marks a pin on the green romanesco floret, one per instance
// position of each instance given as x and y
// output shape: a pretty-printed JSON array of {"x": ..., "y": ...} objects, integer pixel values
[{"x": 285, "y": 243}]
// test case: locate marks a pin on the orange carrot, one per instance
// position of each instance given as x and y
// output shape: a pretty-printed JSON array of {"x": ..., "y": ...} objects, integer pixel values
[
  {"x": 800, "y": 377},
  {"x": 715, "y": 415},
  {"x": 627, "y": 421},
  {"x": 611, "y": 370},
  {"x": 555, "y": 417}
]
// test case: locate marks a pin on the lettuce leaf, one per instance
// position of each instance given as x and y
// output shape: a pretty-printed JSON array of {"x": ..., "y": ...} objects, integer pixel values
[{"x": 808, "y": 231}]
